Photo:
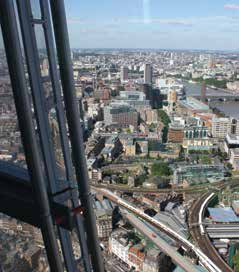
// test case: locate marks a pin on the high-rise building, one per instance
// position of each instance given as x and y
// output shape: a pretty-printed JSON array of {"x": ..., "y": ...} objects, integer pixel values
[
  {"x": 148, "y": 74},
  {"x": 203, "y": 92},
  {"x": 124, "y": 73}
]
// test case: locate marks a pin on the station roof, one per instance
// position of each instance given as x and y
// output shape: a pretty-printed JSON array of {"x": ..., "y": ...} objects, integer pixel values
[
  {"x": 223, "y": 215},
  {"x": 199, "y": 268}
]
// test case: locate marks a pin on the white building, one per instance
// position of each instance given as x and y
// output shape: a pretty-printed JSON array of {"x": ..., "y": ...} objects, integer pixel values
[
  {"x": 221, "y": 127},
  {"x": 234, "y": 158},
  {"x": 167, "y": 84},
  {"x": 119, "y": 246}
]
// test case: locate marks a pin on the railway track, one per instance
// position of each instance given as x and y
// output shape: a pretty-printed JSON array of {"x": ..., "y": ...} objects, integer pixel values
[{"x": 203, "y": 241}]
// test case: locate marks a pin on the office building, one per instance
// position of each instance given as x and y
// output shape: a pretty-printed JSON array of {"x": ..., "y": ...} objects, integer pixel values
[
  {"x": 175, "y": 133},
  {"x": 121, "y": 114},
  {"x": 124, "y": 73},
  {"x": 148, "y": 74},
  {"x": 203, "y": 92},
  {"x": 220, "y": 127}
]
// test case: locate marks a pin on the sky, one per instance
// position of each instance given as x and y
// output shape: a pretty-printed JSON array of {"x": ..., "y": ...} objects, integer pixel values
[
  {"x": 171, "y": 24},
  {"x": 160, "y": 24}
]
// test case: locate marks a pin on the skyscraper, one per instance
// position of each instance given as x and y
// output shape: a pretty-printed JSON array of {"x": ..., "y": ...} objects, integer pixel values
[
  {"x": 148, "y": 74},
  {"x": 124, "y": 73},
  {"x": 203, "y": 92}
]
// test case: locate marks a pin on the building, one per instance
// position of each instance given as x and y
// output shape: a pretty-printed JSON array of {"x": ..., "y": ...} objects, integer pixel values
[
  {"x": 132, "y": 95},
  {"x": 142, "y": 147},
  {"x": 203, "y": 93},
  {"x": 102, "y": 94},
  {"x": 221, "y": 127},
  {"x": 149, "y": 116},
  {"x": 234, "y": 158},
  {"x": 135, "y": 99},
  {"x": 148, "y": 74},
  {"x": 103, "y": 223},
  {"x": 95, "y": 175},
  {"x": 130, "y": 148},
  {"x": 124, "y": 73},
  {"x": 153, "y": 95},
  {"x": 233, "y": 86},
  {"x": 196, "y": 136},
  {"x": 172, "y": 96},
  {"x": 168, "y": 84},
  {"x": 152, "y": 261},
  {"x": 234, "y": 127},
  {"x": 121, "y": 114},
  {"x": 197, "y": 268},
  {"x": 8, "y": 125},
  {"x": 112, "y": 148},
  {"x": 175, "y": 133},
  {"x": 119, "y": 246},
  {"x": 192, "y": 106},
  {"x": 231, "y": 142},
  {"x": 223, "y": 215},
  {"x": 136, "y": 256},
  {"x": 155, "y": 183},
  {"x": 196, "y": 174},
  {"x": 131, "y": 181},
  {"x": 235, "y": 206}
]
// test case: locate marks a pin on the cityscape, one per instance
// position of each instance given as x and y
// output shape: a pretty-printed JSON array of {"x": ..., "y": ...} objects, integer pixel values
[{"x": 160, "y": 142}]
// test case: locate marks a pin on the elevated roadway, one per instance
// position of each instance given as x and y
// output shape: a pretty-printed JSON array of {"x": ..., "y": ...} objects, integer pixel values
[
  {"x": 160, "y": 243},
  {"x": 204, "y": 260}
]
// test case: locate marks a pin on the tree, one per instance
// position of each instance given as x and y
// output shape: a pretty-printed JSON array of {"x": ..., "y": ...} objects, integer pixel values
[
  {"x": 141, "y": 179},
  {"x": 165, "y": 135},
  {"x": 236, "y": 261},
  {"x": 161, "y": 169},
  {"x": 164, "y": 118},
  {"x": 181, "y": 153}
]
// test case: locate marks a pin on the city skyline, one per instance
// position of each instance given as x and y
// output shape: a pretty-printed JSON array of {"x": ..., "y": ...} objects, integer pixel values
[{"x": 154, "y": 24}]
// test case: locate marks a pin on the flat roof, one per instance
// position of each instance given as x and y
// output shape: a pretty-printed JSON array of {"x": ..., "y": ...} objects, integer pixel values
[
  {"x": 223, "y": 215},
  {"x": 194, "y": 104},
  {"x": 198, "y": 268}
]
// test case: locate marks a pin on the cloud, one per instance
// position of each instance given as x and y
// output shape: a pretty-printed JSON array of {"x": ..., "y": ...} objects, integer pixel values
[
  {"x": 231, "y": 6},
  {"x": 75, "y": 20},
  {"x": 213, "y": 22},
  {"x": 174, "y": 22},
  {"x": 161, "y": 21}
]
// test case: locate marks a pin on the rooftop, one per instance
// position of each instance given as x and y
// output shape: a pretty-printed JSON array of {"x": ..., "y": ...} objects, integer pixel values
[
  {"x": 194, "y": 104},
  {"x": 223, "y": 215}
]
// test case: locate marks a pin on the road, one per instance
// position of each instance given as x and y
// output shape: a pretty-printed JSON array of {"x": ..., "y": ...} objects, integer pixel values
[{"x": 203, "y": 241}]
